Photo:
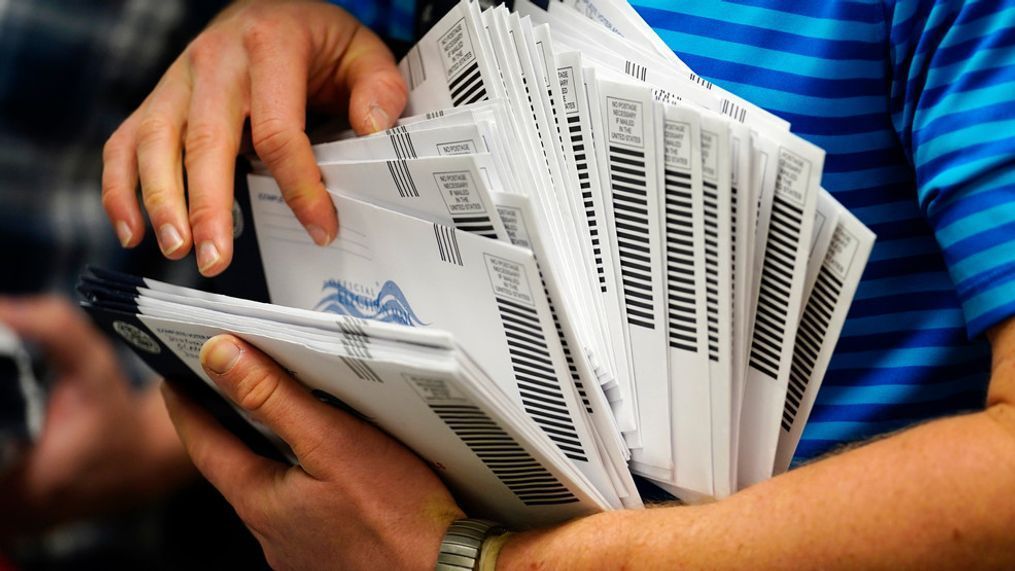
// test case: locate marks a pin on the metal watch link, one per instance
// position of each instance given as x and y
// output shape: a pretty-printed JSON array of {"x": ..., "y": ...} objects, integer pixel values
[{"x": 463, "y": 542}]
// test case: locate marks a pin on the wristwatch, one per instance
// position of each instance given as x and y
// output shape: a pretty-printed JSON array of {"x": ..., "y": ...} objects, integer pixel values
[{"x": 463, "y": 543}]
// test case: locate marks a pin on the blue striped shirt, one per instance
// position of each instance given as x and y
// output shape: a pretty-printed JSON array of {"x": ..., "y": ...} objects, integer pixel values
[{"x": 914, "y": 101}]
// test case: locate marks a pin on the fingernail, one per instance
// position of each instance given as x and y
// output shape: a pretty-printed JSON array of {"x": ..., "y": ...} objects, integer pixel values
[
  {"x": 169, "y": 239},
  {"x": 320, "y": 237},
  {"x": 220, "y": 355},
  {"x": 207, "y": 255},
  {"x": 123, "y": 233},
  {"x": 378, "y": 118}
]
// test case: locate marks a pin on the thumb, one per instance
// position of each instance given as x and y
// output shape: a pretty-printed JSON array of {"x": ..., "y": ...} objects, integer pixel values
[
  {"x": 57, "y": 326},
  {"x": 377, "y": 92}
]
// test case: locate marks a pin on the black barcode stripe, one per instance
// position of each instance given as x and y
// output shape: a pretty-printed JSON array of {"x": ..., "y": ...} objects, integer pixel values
[
  {"x": 810, "y": 336},
  {"x": 701, "y": 81},
  {"x": 635, "y": 70},
  {"x": 403, "y": 178},
  {"x": 731, "y": 109},
  {"x": 582, "y": 166},
  {"x": 481, "y": 225},
  {"x": 630, "y": 211},
  {"x": 733, "y": 250},
  {"x": 447, "y": 245},
  {"x": 538, "y": 385},
  {"x": 401, "y": 141},
  {"x": 680, "y": 271},
  {"x": 361, "y": 369},
  {"x": 776, "y": 278},
  {"x": 356, "y": 345},
  {"x": 711, "y": 220},
  {"x": 468, "y": 86},
  {"x": 527, "y": 479}
]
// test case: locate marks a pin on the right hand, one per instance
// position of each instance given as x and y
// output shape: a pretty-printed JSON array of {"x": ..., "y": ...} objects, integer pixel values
[{"x": 262, "y": 59}]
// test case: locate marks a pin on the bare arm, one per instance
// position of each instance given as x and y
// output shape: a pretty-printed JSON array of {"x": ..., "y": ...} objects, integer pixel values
[{"x": 941, "y": 495}]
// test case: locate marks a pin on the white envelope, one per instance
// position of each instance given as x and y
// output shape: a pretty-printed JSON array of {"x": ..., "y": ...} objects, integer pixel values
[{"x": 485, "y": 292}]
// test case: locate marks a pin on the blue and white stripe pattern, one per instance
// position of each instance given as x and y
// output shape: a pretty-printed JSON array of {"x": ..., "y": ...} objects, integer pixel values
[{"x": 915, "y": 103}]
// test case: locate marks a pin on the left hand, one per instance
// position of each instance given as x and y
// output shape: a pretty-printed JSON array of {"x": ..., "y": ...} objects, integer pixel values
[
  {"x": 103, "y": 445},
  {"x": 357, "y": 500}
]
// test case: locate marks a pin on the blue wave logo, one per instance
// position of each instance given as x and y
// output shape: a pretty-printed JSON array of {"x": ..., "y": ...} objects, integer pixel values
[{"x": 389, "y": 305}]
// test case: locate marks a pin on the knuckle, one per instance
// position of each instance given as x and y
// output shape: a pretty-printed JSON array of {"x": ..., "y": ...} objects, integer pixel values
[
  {"x": 301, "y": 200},
  {"x": 115, "y": 147},
  {"x": 260, "y": 30},
  {"x": 154, "y": 129},
  {"x": 255, "y": 389},
  {"x": 202, "y": 214},
  {"x": 394, "y": 83},
  {"x": 157, "y": 198},
  {"x": 272, "y": 138},
  {"x": 110, "y": 199},
  {"x": 204, "y": 138},
  {"x": 206, "y": 50}
]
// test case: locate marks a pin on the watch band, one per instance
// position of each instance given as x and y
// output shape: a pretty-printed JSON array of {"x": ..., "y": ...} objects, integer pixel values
[{"x": 463, "y": 542}]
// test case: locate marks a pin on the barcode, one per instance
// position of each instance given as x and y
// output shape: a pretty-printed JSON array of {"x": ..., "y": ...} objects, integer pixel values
[
  {"x": 535, "y": 121},
  {"x": 350, "y": 325},
  {"x": 417, "y": 71},
  {"x": 532, "y": 483},
  {"x": 434, "y": 114},
  {"x": 582, "y": 165},
  {"x": 481, "y": 225},
  {"x": 399, "y": 171},
  {"x": 809, "y": 338},
  {"x": 401, "y": 141},
  {"x": 536, "y": 378},
  {"x": 361, "y": 369},
  {"x": 355, "y": 344},
  {"x": 733, "y": 249},
  {"x": 683, "y": 324},
  {"x": 701, "y": 81},
  {"x": 635, "y": 70},
  {"x": 568, "y": 357},
  {"x": 776, "y": 275},
  {"x": 731, "y": 109},
  {"x": 630, "y": 211},
  {"x": 447, "y": 245},
  {"x": 467, "y": 87},
  {"x": 711, "y": 200}
]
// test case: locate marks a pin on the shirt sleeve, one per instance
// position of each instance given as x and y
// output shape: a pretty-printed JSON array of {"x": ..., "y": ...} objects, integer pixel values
[{"x": 953, "y": 108}]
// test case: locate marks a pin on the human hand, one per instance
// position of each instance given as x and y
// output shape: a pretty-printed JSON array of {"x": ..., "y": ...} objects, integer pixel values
[
  {"x": 262, "y": 59},
  {"x": 102, "y": 445},
  {"x": 357, "y": 500}
]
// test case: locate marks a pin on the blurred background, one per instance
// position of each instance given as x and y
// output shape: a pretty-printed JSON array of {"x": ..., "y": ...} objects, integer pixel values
[
  {"x": 96, "y": 484},
  {"x": 92, "y": 475}
]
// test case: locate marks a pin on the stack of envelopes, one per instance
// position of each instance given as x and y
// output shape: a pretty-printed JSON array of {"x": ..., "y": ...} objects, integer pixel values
[{"x": 573, "y": 260}]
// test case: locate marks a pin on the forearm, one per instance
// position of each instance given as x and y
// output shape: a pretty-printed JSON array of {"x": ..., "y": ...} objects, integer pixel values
[{"x": 936, "y": 496}]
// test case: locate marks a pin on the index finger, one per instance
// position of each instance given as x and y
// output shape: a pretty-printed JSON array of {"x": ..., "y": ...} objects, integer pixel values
[{"x": 278, "y": 93}]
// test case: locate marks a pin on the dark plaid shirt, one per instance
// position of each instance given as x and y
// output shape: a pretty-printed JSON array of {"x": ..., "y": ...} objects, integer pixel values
[{"x": 70, "y": 72}]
